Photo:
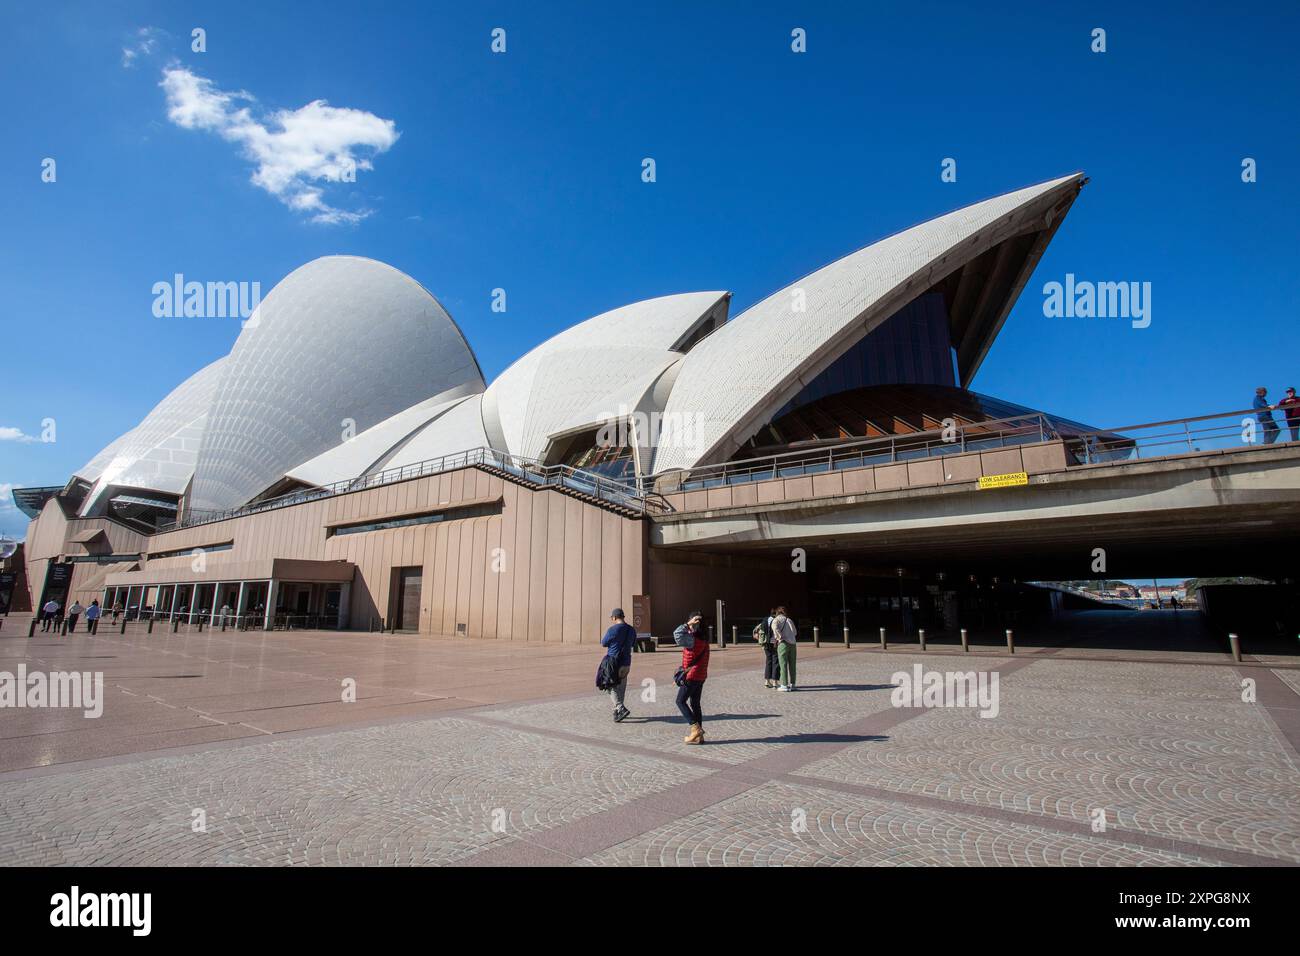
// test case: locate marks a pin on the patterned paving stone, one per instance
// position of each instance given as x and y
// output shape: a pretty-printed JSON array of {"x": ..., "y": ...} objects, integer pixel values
[
  {"x": 742, "y": 719},
  {"x": 1169, "y": 751},
  {"x": 758, "y": 828},
  {"x": 1291, "y": 678},
  {"x": 422, "y": 792}
]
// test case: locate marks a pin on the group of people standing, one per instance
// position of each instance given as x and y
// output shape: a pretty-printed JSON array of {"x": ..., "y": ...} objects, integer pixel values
[
  {"x": 776, "y": 634},
  {"x": 1289, "y": 406},
  {"x": 50, "y": 619},
  {"x": 779, "y": 638}
]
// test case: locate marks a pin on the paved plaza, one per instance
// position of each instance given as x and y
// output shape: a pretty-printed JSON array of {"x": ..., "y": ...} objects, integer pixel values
[{"x": 238, "y": 749}]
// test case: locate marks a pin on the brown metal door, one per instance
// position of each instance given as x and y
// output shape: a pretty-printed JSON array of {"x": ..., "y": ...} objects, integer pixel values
[{"x": 408, "y": 599}]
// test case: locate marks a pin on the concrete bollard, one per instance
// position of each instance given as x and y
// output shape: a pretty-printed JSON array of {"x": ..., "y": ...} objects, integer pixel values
[
  {"x": 817, "y": 637},
  {"x": 1235, "y": 643},
  {"x": 965, "y": 644},
  {"x": 201, "y": 625},
  {"x": 31, "y": 631},
  {"x": 921, "y": 632},
  {"x": 734, "y": 638},
  {"x": 1011, "y": 642},
  {"x": 846, "y": 637},
  {"x": 64, "y": 627},
  {"x": 123, "y": 628},
  {"x": 176, "y": 623},
  {"x": 150, "y": 624},
  {"x": 884, "y": 644}
]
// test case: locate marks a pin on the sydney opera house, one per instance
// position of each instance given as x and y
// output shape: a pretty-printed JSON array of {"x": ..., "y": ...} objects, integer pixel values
[{"x": 348, "y": 465}]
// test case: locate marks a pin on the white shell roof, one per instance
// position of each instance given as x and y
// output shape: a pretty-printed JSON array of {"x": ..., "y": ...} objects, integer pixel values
[
  {"x": 591, "y": 372},
  {"x": 341, "y": 339},
  {"x": 158, "y": 454},
  {"x": 737, "y": 377},
  {"x": 458, "y": 429},
  {"x": 362, "y": 452}
]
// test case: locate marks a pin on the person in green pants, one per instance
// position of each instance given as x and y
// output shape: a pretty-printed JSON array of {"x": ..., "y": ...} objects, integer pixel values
[{"x": 786, "y": 635}]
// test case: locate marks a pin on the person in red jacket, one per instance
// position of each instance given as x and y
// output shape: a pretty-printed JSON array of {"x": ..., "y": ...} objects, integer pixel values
[
  {"x": 1290, "y": 407},
  {"x": 695, "y": 664}
]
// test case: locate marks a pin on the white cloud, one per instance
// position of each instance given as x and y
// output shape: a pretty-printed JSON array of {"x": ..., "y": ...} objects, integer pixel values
[
  {"x": 294, "y": 150},
  {"x": 9, "y": 433},
  {"x": 142, "y": 43}
]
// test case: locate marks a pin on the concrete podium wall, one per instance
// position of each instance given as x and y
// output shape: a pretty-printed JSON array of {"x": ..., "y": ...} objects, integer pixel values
[{"x": 549, "y": 567}]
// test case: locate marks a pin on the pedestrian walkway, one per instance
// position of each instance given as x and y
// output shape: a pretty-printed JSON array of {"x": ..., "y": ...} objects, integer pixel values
[{"x": 1086, "y": 763}]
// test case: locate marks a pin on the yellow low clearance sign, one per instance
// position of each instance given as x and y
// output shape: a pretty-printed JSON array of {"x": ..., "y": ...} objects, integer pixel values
[{"x": 1004, "y": 481}]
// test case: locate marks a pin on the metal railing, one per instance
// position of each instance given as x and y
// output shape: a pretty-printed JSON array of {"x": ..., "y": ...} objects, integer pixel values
[
  {"x": 1202, "y": 433},
  {"x": 1222, "y": 431},
  {"x": 976, "y": 436},
  {"x": 624, "y": 494}
]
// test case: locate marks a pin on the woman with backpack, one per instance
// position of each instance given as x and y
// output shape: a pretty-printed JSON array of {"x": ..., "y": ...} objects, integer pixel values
[
  {"x": 692, "y": 674},
  {"x": 771, "y": 666}
]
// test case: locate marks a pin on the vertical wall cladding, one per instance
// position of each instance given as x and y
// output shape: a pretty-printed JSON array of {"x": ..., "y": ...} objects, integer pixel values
[
  {"x": 547, "y": 568},
  {"x": 556, "y": 541},
  {"x": 571, "y": 622}
]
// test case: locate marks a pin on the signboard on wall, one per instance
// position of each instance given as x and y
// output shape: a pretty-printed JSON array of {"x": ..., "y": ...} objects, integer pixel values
[
  {"x": 1004, "y": 481},
  {"x": 57, "y": 579},
  {"x": 641, "y": 615}
]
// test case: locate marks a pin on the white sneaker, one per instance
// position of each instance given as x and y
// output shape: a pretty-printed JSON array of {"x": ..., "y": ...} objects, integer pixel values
[{"x": 783, "y": 687}]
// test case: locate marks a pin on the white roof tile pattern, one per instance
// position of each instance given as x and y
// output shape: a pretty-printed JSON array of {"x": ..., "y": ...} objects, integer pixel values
[
  {"x": 362, "y": 452},
  {"x": 158, "y": 454},
  {"x": 589, "y": 373},
  {"x": 458, "y": 429},
  {"x": 758, "y": 361},
  {"x": 341, "y": 338}
]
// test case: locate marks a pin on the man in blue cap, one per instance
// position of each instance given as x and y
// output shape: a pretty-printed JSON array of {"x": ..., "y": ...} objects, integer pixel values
[{"x": 618, "y": 641}]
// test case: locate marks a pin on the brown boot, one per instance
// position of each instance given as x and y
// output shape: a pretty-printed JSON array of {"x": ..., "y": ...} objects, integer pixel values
[{"x": 696, "y": 736}]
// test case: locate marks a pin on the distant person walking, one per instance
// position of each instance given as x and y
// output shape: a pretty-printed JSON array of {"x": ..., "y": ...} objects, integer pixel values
[
  {"x": 92, "y": 617},
  {"x": 787, "y": 637},
  {"x": 763, "y": 635},
  {"x": 1264, "y": 415},
  {"x": 618, "y": 641},
  {"x": 75, "y": 610},
  {"x": 49, "y": 613},
  {"x": 692, "y": 674},
  {"x": 1290, "y": 406},
  {"x": 117, "y": 610}
]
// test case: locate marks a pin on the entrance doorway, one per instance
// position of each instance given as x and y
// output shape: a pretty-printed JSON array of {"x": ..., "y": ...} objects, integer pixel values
[{"x": 406, "y": 598}]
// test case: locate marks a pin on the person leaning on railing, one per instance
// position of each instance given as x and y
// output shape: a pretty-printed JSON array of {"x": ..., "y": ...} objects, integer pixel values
[
  {"x": 1264, "y": 415},
  {"x": 1290, "y": 408}
]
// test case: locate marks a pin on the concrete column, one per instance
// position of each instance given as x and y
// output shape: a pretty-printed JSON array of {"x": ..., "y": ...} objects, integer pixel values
[
  {"x": 239, "y": 603},
  {"x": 272, "y": 586},
  {"x": 345, "y": 609}
]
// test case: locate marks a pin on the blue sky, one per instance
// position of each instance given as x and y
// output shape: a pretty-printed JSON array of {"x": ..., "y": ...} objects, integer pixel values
[{"x": 522, "y": 171}]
